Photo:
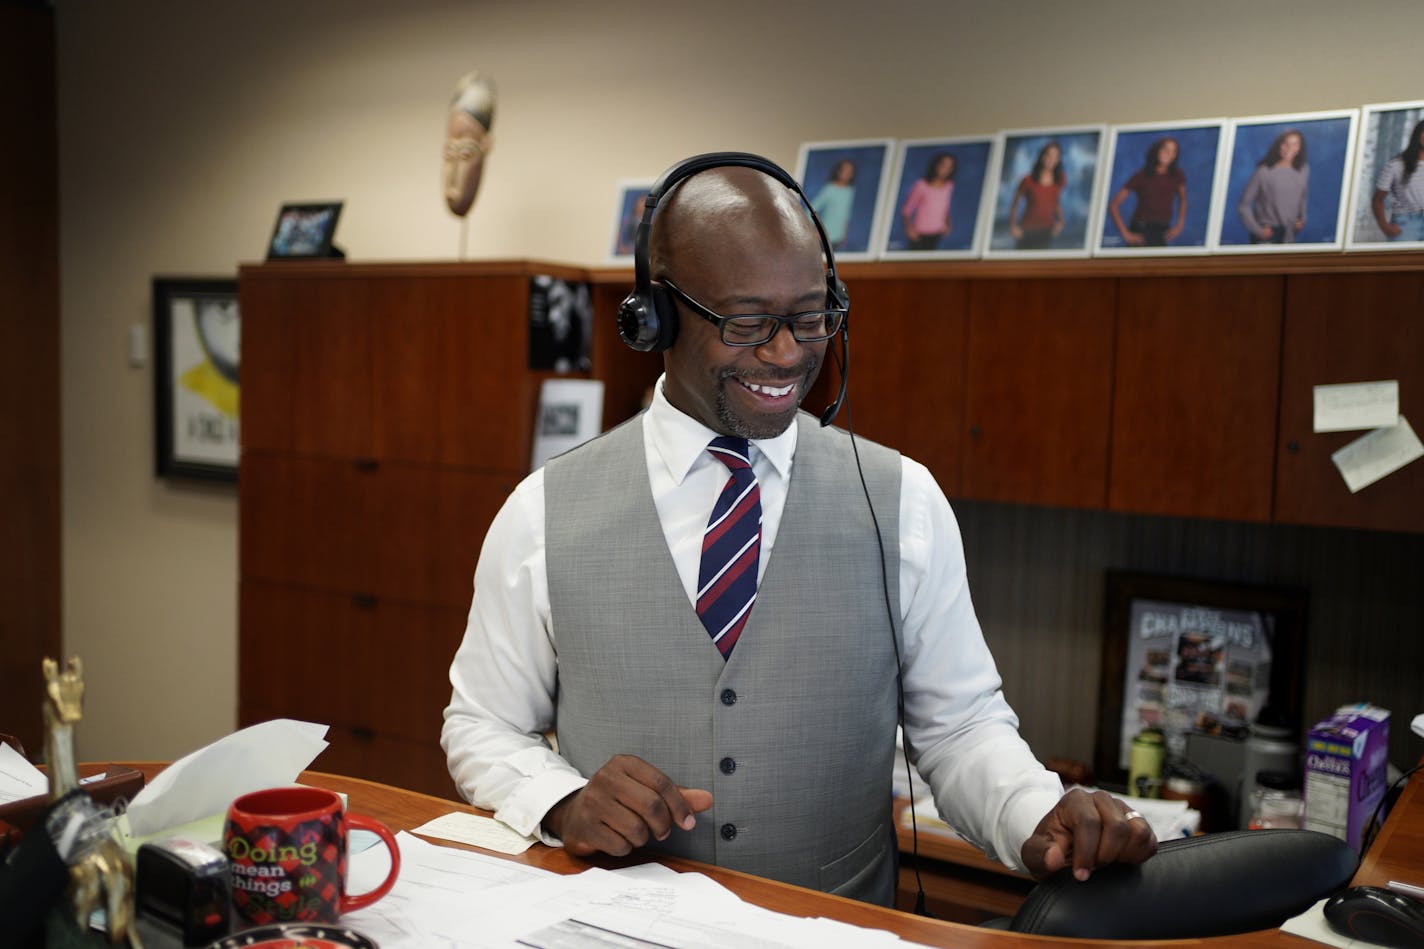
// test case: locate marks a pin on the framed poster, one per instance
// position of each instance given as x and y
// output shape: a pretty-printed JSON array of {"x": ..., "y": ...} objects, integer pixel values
[
  {"x": 1046, "y": 192},
  {"x": 1189, "y": 655},
  {"x": 846, "y": 184},
  {"x": 197, "y": 332},
  {"x": 626, "y": 214},
  {"x": 1163, "y": 180},
  {"x": 1387, "y": 209},
  {"x": 939, "y": 199},
  {"x": 1285, "y": 183}
]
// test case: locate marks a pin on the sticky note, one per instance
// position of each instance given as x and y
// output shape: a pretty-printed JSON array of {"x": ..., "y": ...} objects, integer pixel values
[
  {"x": 1354, "y": 406},
  {"x": 1370, "y": 457}
]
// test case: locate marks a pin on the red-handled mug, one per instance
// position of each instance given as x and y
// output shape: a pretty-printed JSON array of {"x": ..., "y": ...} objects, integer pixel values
[{"x": 287, "y": 847}]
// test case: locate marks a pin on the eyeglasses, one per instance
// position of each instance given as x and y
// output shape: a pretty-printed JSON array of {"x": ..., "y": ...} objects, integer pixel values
[{"x": 756, "y": 329}]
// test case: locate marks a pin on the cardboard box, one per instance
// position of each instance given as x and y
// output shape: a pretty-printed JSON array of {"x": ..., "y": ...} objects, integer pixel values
[{"x": 1346, "y": 763}]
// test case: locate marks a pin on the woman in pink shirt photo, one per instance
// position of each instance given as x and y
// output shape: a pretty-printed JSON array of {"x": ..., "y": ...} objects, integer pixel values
[{"x": 926, "y": 210}]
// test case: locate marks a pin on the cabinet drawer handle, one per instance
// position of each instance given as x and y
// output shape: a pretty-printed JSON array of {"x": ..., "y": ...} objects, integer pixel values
[
  {"x": 366, "y": 464},
  {"x": 363, "y": 601},
  {"x": 1292, "y": 447},
  {"x": 362, "y": 733}
]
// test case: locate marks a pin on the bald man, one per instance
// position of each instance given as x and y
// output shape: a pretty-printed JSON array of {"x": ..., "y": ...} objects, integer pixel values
[{"x": 772, "y": 757}]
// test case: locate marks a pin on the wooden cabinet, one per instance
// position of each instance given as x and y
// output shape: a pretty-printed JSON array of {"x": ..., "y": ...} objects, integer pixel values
[
  {"x": 1358, "y": 327},
  {"x": 388, "y": 412}
]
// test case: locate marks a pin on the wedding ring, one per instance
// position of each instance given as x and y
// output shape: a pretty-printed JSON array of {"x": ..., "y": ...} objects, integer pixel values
[{"x": 1133, "y": 815}]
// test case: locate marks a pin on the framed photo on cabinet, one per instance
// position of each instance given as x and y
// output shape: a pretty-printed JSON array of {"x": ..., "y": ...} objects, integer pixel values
[
  {"x": 1387, "y": 207},
  {"x": 1285, "y": 183},
  {"x": 1046, "y": 192},
  {"x": 197, "y": 333},
  {"x": 627, "y": 213},
  {"x": 305, "y": 230},
  {"x": 846, "y": 184},
  {"x": 1163, "y": 179},
  {"x": 1187, "y": 655},
  {"x": 939, "y": 199}
]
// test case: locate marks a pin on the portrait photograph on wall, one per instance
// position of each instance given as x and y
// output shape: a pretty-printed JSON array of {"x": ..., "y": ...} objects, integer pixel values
[
  {"x": 1045, "y": 192},
  {"x": 197, "y": 334},
  {"x": 626, "y": 214},
  {"x": 1162, "y": 181},
  {"x": 939, "y": 198},
  {"x": 1285, "y": 184},
  {"x": 846, "y": 182},
  {"x": 1387, "y": 209}
]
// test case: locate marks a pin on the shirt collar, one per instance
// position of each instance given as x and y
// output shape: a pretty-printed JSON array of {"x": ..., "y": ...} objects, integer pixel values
[{"x": 681, "y": 441}]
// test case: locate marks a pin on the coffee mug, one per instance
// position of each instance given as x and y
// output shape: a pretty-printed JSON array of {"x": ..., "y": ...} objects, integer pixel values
[{"x": 287, "y": 847}]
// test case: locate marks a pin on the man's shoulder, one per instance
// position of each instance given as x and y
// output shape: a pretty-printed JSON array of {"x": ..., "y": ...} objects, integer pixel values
[{"x": 616, "y": 439}]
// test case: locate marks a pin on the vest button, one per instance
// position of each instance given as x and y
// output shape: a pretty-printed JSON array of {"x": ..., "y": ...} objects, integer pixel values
[
  {"x": 729, "y": 831},
  {"x": 728, "y": 765},
  {"x": 729, "y": 697}
]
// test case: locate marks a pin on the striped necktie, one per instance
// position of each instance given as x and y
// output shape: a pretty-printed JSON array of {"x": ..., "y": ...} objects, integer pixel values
[{"x": 731, "y": 548}]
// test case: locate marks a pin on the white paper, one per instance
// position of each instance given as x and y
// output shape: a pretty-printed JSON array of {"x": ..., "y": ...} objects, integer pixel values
[
  {"x": 459, "y": 899},
  {"x": 205, "y": 782},
  {"x": 1370, "y": 457},
  {"x": 1354, "y": 406},
  {"x": 570, "y": 413},
  {"x": 475, "y": 830},
  {"x": 18, "y": 778},
  {"x": 1312, "y": 925}
]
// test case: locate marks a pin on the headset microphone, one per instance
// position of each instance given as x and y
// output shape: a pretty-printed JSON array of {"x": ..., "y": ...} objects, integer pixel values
[{"x": 843, "y": 365}]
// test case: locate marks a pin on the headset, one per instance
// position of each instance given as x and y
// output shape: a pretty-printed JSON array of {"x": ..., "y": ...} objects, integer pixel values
[
  {"x": 647, "y": 322},
  {"x": 647, "y": 317}
]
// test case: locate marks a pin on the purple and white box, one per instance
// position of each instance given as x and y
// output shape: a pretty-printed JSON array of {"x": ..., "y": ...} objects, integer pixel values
[{"x": 1346, "y": 764}]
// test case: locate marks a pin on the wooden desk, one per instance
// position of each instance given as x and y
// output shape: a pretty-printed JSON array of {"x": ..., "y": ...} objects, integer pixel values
[{"x": 1397, "y": 854}]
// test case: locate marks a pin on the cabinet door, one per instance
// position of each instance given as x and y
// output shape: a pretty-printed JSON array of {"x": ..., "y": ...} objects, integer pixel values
[
  {"x": 1348, "y": 328},
  {"x": 378, "y": 529},
  {"x": 450, "y": 378},
  {"x": 373, "y": 665},
  {"x": 1194, "y": 402},
  {"x": 1039, "y": 389},
  {"x": 906, "y": 386},
  {"x": 306, "y": 365}
]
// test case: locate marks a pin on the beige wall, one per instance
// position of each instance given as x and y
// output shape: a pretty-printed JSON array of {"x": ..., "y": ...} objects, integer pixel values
[{"x": 183, "y": 126}]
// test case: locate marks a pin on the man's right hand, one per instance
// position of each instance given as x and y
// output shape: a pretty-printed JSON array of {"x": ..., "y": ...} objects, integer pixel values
[{"x": 626, "y": 803}]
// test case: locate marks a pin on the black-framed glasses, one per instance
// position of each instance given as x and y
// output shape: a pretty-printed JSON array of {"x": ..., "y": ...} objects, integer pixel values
[{"x": 756, "y": 329}]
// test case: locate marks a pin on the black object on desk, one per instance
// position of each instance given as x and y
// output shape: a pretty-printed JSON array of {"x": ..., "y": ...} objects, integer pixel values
[
  {"x": 1377, "y": 915},
  {"x": 182, "y": 893}
]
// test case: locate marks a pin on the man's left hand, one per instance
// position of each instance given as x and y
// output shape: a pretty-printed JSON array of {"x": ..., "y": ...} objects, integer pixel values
[{"x": 1088, "y": 830}]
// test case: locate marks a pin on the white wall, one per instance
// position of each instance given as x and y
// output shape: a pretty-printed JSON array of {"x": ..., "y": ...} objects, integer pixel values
[{"x": 183, "y": 126}]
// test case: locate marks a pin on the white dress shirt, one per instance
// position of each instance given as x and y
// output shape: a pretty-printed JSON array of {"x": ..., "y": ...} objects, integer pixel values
[{"x": 986, "y": 781}]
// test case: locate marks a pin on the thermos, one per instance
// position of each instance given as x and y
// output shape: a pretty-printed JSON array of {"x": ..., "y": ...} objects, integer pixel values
[{"x": 1144, "y": 772}]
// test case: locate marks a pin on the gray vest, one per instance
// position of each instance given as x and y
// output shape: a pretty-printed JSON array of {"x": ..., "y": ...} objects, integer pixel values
[{"x": 794, "y": 734}]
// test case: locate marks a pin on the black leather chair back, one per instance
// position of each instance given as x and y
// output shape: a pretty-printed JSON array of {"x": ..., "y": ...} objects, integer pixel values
[{"x": 1212, "y": 885}]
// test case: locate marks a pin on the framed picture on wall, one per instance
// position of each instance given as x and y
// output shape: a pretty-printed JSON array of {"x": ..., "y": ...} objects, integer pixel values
[
  {"x": 627, "y": 212},
  {"x": 1046, "y": 192},
  {"x": 1187, "y": 655},
  {"x": 846, "y": 184},
  {"x": 939, "y": 198},
  {"x": 305, "y": 230},
  {"x": 197, "y": 334},
  {"x": 1285, "y": 183},
  {"x": 1163, "y": 179},
  {"x": 1387, "y": 207}
]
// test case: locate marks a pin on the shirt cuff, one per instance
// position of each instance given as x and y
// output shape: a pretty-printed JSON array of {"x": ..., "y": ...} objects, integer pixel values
[
  {"x": 525, "y": 809},
  {"x": 1024, "y": 813}
]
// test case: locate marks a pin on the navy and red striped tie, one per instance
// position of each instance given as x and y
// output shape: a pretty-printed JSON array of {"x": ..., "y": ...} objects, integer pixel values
[{"x": 731, "y": 548}]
